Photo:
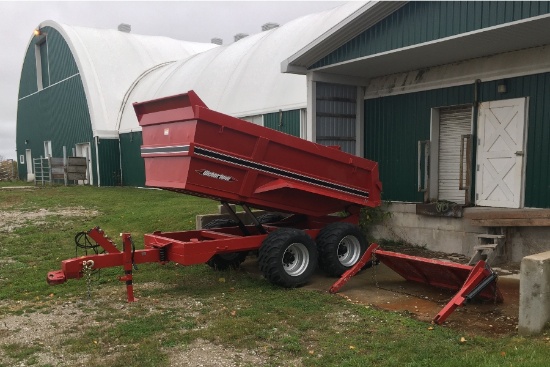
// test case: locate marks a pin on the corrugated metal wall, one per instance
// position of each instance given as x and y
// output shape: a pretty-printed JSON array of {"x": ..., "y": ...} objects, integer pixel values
[
  {"x": 394, "y": 124},
  {"x": 63, "y": 64},
  {"x": 284, "y": 121},
  {"x": 336, "y": 115},
  {"x": 423, "y": 21},
  {"x": 109, "y": 157},
  {"x": 59, "y": 112},
  {"x": 44, "y": 64},
  {"x": 27, "y": 81},
  {"x": 133, "y": 166}
]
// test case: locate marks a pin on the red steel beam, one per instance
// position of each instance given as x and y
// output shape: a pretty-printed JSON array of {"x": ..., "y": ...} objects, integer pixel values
[{"x": 367, "y": 256}]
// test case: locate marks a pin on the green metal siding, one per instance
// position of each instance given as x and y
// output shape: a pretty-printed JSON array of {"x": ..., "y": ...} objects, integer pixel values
[
  {"x": 394, "y": 124},
  {"x": 27, "y": 82},
  {"x": 133, "y": 166},
  {"x": 285, "y": 121},
  {"x": 109, "y": 162},
  {"x": 44, "y": 64},
  {"x": 423, "y": 21},
  {"x": 63, "y": 64},
  {"x": 59, "y": 112}
]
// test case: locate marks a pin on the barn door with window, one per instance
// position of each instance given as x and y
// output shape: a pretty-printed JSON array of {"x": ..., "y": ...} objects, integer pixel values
[{"x": 500, "y": 153}]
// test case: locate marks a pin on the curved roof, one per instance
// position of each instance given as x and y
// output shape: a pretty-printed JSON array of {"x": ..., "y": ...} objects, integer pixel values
[
  {"x": 109, "y": 61},
  {"x": 243, "y": 78}
]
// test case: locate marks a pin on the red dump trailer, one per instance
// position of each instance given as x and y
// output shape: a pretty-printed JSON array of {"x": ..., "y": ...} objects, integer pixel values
[{"x": 191, "y": 149}]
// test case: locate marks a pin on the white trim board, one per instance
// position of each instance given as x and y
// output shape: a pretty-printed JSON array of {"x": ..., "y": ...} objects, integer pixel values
[{"x": 507, "y": 65}]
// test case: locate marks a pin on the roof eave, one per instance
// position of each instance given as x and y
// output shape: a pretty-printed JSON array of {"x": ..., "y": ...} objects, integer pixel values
[
  {"x": 365, "y": 17},
  {"x": 508, "y": 37}
]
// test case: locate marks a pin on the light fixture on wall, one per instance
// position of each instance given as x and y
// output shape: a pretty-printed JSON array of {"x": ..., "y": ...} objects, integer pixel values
[
  {"x": 39, "y": 32},
  {"x": 501, "y": 87},
  {"x": 26, "y": 142}
]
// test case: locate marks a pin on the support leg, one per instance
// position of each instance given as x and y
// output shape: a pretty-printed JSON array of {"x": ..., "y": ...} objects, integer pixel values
[
  {"x": 367, "y": 256},
  {"x": 128, "y": 249}
]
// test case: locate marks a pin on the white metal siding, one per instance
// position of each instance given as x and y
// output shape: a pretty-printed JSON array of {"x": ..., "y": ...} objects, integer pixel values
[{"x": 453, "y": 122}]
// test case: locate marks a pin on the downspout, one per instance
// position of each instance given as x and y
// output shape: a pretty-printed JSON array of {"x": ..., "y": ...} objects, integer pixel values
[
  {"x": 96, "y": 140},
  {"x": 476, "y": 102}
]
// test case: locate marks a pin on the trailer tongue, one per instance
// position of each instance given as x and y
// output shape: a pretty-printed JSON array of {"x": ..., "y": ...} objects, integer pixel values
[{"x": 191, "y": 149}]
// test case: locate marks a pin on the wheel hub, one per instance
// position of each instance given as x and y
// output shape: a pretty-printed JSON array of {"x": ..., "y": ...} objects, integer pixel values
[
  {"x": 349, "y": 250},
  {"x": 295, "y": 259}
]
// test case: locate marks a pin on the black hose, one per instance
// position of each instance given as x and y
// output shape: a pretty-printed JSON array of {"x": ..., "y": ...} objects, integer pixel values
[{"x": 82, "y": 241}]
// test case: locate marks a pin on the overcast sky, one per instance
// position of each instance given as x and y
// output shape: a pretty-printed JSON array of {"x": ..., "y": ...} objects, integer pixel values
[{"x": 198, "y": 21}]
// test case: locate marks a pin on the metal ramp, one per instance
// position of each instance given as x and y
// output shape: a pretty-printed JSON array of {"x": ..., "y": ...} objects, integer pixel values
[{"x": 468, "y": 281}]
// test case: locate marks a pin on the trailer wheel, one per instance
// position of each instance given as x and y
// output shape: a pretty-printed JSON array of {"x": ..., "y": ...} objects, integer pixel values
[
  {"x": 340, "y": 246},
  {"x": 288, "y": 257},
  {"x": 230, "y": 260}
]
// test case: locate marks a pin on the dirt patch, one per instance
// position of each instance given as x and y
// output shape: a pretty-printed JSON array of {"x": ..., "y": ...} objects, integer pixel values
[
  {"x": 49, "y": 329},
  {"x": 10, "y": 220},
  {"x": 206, "y": 354},
  {"x": 45, "y": 331}
]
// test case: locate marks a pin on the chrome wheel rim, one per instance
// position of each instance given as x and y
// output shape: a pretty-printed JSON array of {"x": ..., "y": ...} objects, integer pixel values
[
  {"x": 349, "y": 250},
  {"x": 295, "y": 259}
]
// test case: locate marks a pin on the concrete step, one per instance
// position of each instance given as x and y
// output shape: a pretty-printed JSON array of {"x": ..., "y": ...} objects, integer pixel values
[
  {"x": 489, "y": 246},
  {"x": 486, "y": 235}
]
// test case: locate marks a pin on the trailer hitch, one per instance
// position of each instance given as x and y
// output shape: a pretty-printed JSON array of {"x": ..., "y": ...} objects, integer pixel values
[{"x": 79, "y": 267}]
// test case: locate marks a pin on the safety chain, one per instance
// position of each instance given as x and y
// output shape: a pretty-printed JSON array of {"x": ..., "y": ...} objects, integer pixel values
[
  {"x": 374, "y": 266},
  {"x": 87, "y": 270},
  {"x": 133, "y": 252},
  {"x": 495, "y": 290}
]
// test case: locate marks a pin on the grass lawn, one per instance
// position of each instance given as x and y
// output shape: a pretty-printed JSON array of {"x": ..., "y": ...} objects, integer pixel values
[{"x": 189, "y": 316}]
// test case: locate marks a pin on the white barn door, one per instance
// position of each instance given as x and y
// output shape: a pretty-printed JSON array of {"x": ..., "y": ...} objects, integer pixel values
[{"x": 500, "y": 153}]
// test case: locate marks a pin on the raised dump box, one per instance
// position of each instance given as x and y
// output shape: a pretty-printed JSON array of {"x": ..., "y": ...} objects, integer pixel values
[{"x": 190, "y": 148}]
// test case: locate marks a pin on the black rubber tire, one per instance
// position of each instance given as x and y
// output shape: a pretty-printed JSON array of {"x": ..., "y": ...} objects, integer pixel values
[
  {"x": 288, "y": 257},
  {"x": 270, "y": 218},
  {"x": 340, "y": 246},
  {"x": 225, "y": 261},
  {"x": 220, "y": 223}
]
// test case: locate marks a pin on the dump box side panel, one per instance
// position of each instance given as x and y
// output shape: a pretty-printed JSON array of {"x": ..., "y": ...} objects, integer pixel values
[{"x": 202, "y": 152}]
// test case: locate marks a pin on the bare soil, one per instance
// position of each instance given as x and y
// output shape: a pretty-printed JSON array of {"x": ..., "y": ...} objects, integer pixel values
[
  {"x": 60, "y": 320},
  {"x": 10, "y": 220}
]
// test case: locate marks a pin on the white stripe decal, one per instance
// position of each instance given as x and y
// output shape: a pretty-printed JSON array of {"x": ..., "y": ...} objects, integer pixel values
[{"x": 279, "y": 172}]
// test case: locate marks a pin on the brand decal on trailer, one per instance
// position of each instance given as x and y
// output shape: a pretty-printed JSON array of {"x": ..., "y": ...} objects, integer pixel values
[{"x": 217, "y": 176}]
